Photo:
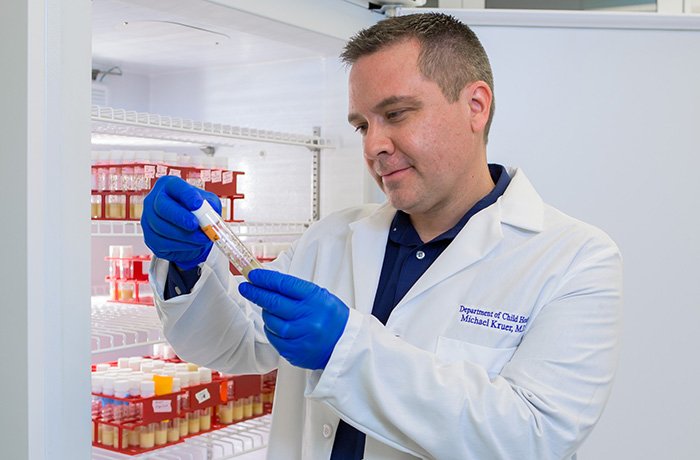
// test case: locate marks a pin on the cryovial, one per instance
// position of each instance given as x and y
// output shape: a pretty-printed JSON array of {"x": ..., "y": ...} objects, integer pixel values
[{"x": 216, "y": 229}]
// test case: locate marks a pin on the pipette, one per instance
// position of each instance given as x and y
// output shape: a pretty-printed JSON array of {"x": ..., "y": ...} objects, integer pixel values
[{"x": 216, "y": 229}]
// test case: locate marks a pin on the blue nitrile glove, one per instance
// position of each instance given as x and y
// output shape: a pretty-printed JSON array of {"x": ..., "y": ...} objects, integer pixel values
[
  {"x": 170, "y": 229},
  {"x": 302, "y": 320}
]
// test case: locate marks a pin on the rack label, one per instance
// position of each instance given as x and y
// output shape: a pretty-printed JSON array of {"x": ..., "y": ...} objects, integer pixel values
[
  {"x": 161, "y": 170},
  {"x": 227, "y": 177},
  {"x": 216, "y": 176},
  {"x": 205, "y": 174},
  {"x": 162, "y": 406},
  {"x": 175, "y": 172},
  {"x": 202, "y": 396},
  {"x": 149, "y": 171}
]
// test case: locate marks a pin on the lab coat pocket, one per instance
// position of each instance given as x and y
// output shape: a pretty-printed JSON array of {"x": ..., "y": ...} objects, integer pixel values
[{"x": 491, "y": 359}]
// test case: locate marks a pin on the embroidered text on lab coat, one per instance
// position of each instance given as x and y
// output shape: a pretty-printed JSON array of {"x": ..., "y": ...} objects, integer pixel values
[{"x": 494, "y": 319}]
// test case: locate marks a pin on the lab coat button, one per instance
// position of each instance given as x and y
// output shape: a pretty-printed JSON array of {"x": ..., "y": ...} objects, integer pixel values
[
  {"x": 327, "y": 430},
  {"x": 420, "y": 255}
]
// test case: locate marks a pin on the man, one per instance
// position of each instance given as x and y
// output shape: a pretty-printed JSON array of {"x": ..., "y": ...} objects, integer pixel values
[{"x": 463, "y": 319}]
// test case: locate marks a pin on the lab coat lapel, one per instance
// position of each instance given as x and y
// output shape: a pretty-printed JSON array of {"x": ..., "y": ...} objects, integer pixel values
[
  {"x": 369, "y": 236},
  {"x": 520, "y": 206},
  {"x": 481, "y": 234}
]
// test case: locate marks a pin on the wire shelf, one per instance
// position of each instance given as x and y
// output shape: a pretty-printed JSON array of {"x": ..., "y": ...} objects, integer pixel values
[
  {"x": 118, "y": 326},
  {"x": 126, "y": 123},
  {"x": 242, "y": 229},
  {"x": 245, "y": 441}
]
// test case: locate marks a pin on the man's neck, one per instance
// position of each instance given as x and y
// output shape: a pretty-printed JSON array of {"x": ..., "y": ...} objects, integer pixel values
[{"x": 436, "y": 222}]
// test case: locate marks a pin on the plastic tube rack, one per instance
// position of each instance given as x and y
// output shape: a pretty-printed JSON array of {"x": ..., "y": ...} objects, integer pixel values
[
  {"x": 118, "y": 189},
  {"x": 127, "y": 276},
  {"x": 136, "y": 424}
]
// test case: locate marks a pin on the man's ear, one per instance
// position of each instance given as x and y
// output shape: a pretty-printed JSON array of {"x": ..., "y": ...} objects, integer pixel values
[{"x": 478, "y": 97}]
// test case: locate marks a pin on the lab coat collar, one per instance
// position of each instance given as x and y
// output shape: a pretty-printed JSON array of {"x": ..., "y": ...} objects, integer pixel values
[
  {"x": 519, "y": 206},
  {"x": 369, "y": 236}
]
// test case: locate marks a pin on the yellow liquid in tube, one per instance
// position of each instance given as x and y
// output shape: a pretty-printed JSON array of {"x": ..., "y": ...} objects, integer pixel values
[{"x": 216, "y": 230}]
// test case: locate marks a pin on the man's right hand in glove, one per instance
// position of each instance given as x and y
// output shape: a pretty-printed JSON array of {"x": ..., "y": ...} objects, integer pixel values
[{"x": 170, "y": 229}]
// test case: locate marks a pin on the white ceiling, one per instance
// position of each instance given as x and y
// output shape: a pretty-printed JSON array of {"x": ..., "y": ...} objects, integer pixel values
[{"x": 159, "y": 36}]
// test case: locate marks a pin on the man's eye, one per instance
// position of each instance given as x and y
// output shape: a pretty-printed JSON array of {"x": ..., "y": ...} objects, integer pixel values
[
  {"x": 360, "y": 129},
  {"x": 395, "y": 114}
]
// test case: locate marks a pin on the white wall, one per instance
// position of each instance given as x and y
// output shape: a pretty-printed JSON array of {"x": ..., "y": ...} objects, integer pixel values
[{"x": 129, "y": 91}]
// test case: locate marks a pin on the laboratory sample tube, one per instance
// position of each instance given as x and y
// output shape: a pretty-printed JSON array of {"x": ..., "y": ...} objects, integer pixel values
[
  {"x": 225, "y": 208},
  {"x": 102, "y": 171},
  {"x": 127, "y": 173},
  {"x": 174, "y": 430},
  {"x": 158, "y": 350},
  {"x": 184, "y": 379},
  {"x": 248, "y": 407},
  {"x": 224, "y": 411},
  {"x": 174, "y": 424},
  {"x": 102, "y": 367},
  {"x": 126, "y": 290},
  {"x": 205, "y": 419},
  {"x": 237, "y": 409},
  {"x": 147, "y": 436},
  {"x": 216, "y": 229},
  {"x": 95, "y": 206},
  {"x": 135, "y": 207},
  {"x": 194, "y": 178},
  {"x": 96, "y": 409},
  {"x": 168, "y": 352},
  {"x": 194, "y": 378},
  {"x": 121, "y": 412},
  {"x": 193, "y": 421},
  {"x": 135, "y": 363},
  {"x": 126, "y": 253},
  {"x": 204, "y": 375},
  {"x": 257, "y": 405},
  {"x": 161, "y": 436},
  {"x": 106, "y": 433}
]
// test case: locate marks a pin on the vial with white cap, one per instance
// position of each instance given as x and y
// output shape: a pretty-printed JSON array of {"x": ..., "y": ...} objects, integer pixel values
[
  {"x": 174, "y": 424},
  {"x": 102, "y": 367},
  {"x": 122, "y": 410},
  {"x": 216, "y": 229},
  {"x": 147, "y": 433}
]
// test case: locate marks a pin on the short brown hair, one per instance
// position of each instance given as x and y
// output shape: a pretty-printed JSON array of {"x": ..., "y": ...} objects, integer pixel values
[{"x": 451, "y": 54}]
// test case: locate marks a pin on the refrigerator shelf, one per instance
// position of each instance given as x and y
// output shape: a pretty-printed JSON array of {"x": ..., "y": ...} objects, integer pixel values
[
  {"x": 244, "y": 440},
  {"x": 130, "y": 124},
  {"x": 119, "y": 326},
  {"x": 242, "y": 229}
]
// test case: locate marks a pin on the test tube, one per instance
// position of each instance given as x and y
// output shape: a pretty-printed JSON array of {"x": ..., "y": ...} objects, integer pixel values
[{"x": 216, "y": 229}]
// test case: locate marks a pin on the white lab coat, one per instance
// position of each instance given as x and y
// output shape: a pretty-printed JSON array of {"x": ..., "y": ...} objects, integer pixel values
[{"x": 504, "y": 349}]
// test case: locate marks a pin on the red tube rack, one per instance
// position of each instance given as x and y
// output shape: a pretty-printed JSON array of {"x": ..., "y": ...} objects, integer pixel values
[
  {"x": 223, "y": 183},
  {"x": 147, "y": 423},
  {"x": 136, "y": 268}
]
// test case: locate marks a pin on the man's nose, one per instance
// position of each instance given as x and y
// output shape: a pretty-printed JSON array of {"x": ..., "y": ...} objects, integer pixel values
[{"x": 376, "y": 142}]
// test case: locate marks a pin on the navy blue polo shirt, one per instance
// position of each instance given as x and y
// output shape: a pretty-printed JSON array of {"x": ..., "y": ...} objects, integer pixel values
[{"x": 405, "y": 260}]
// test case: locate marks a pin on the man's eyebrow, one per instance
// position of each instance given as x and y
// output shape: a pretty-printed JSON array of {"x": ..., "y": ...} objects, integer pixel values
[{"x": 391, "y": 100}]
